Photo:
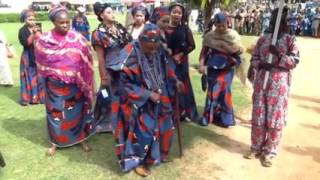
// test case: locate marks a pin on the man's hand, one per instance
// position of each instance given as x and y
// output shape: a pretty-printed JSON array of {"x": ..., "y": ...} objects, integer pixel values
[
  {"x": 155, "y": 97},
  {"x": 274, "y": 50}
]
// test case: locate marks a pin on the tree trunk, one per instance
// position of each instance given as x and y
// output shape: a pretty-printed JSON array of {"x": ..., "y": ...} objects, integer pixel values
[{"x": 208, "y": 11}]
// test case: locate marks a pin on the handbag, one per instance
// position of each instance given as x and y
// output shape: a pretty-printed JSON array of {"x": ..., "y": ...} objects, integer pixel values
[
  {"x": 204, "y": 82},
  {"x": 104, "y": 96},
  {"x": 103, "y": 101}
]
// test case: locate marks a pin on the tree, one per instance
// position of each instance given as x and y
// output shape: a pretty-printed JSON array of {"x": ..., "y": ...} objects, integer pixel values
[{"x": 208, "y": 6}]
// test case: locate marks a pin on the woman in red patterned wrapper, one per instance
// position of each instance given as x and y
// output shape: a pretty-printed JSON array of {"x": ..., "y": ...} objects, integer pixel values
[
  {"x": 31, "y": 84},
  {"x": 270, "y": 105},
  {"x": 64, "y": 60}
]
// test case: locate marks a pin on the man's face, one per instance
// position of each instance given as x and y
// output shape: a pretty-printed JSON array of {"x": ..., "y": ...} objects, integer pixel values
[{"x": 150, "y": 48}]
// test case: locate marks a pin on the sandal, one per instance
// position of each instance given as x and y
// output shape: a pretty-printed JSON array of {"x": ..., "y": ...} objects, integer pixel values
[
  {"x": 266, "y": 162},
  {"x": 251, "y": 155},
  {"x": 142, "y": 171},
  {"x": 167, "y": 160}
]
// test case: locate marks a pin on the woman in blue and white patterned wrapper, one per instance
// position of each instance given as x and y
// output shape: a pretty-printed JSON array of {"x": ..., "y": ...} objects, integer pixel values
[
  {"x": 220, "y": 54},
  {"x": 80, "y": 23},
  {"x": 144, "y": 128},
  {"x": 64, "y": 59}
]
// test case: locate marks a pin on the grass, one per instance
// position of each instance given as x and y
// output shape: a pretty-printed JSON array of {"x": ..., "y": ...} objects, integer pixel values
[{"x": 23, "y": 135}]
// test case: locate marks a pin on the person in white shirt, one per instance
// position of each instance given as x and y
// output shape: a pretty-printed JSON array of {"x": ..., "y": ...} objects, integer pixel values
[
  {"x": 141, "y": 16},
  {"x": 5, "y": 71}
]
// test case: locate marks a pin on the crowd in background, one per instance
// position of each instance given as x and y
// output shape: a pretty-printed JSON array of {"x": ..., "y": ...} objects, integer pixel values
[{"x": 254, "y": 20}]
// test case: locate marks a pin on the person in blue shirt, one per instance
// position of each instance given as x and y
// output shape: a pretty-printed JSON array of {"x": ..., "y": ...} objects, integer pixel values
[
  {"x": 265, "y": 20},
  {"x": 80, "y": 23}
]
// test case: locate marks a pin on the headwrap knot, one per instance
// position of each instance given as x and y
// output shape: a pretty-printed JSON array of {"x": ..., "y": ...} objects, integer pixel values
[
  {"x": 150, "y": 33},
  {"x": 98, "y": 9},
  {"x": 56, "y": 11}
]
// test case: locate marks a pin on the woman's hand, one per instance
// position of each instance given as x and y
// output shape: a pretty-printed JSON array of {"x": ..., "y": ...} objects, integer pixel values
[
  {"x": 36, "y": 29},
  {"x": 202, "y": 69},
  {"x": 180, "y": 86},
  {"x": 178, "y": 58}
]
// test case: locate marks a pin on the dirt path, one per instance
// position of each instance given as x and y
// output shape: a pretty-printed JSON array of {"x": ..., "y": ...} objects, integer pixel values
[{"x": 299, "y": 156}]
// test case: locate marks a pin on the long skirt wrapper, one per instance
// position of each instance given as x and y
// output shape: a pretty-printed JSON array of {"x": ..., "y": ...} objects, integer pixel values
[
  {"x": 219, "y": 108},
  {"x": 32, "y": 85},
  {"x": 187, "y": 103},
  {"x": 69, "y": 117}
]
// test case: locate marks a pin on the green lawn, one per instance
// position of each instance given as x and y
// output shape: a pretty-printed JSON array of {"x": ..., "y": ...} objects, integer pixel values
[{"x": 23, "y": 136}]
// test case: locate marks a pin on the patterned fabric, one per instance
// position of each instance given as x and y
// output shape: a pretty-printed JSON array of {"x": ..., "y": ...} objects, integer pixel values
[
  {"x": 66, "y": 64},
  {"x": 219, "y": 106},
  {"x": 270, "y": 105},
  {"x": 179, "y": 40},
  {"x": 150, "y": 33},
  {"x": 66, "y": 58},
  {"x": 143, "y": 129},
  {"x": 112, "y": 43},
  {"x": 106, "y": 38},
  {"x": 69, "y": 117},
  {"x": 31, "y": 84},
  {"x": 81, "y": 25}
]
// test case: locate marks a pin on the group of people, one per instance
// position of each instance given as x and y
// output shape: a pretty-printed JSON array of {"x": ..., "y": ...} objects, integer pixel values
[
  {"x": 304, "y": 22},
  {"x": 251, "y": 21},
  {"x": 255, "y": 21},
  {"x": 144, "y": 81}
]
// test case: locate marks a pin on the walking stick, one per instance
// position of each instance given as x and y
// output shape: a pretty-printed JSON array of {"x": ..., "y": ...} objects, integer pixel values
[
  {"x": 274, "y": 40},
  {"x": 177, "y": 124}
]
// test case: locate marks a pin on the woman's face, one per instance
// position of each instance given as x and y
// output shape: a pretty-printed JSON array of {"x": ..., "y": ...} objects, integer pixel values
[
  {"x": 62, "y": 23},
  {"x": 284, "y": 28},
  {"x": 176, "y": 14},
  {"x": 221, "y": 27},
  {"x": 149, "y": 48},
  {"x": 139, "y": 18},
  {"x": 163, "y": 22},
  {"x": 30, "y": 21},
  {"x": 107, "y": 15}
]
